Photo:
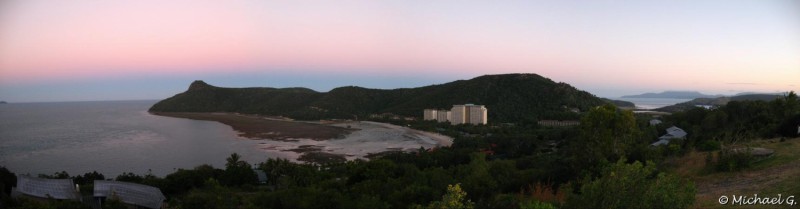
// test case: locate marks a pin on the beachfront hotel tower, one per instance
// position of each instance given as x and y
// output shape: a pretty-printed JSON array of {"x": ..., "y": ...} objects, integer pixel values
[
  {"x": 437, "y": 115},
  {"x": 430, "y": 114},
  {"x": 443, "y": 116},
  {"x": 468, "y": 113},
  {"x": 459, "y": 114}
]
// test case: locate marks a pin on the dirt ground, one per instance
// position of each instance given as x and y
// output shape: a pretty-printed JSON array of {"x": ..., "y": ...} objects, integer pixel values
[{"x": 775, "y": 175}]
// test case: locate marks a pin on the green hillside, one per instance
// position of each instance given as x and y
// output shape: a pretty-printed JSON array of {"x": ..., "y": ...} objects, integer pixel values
[
  {"x": 509, "y": 98},
  {"x": 719, "y": 101}
]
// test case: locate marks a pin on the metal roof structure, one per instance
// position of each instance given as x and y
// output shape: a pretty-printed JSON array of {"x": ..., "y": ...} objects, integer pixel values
[
  {"x": 655, "y": 122},
  {"x": 672, "y": 133},
  {"x": 130, "y": 193},
  {"x": 660, "y": 142},
  {"x": 62, "y": 189}
]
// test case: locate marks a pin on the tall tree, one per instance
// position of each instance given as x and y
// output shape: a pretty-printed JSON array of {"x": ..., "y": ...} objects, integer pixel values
[
  {"x": 607, "y": 134},
  {"x": 238, "y": 172}
]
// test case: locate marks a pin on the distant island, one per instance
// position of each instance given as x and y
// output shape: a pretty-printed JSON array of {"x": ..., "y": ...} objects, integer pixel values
[
  {"x": 673, "y": 95},
  {"x": 510, "y": 98},
  {"x": 3, "y": 102}
]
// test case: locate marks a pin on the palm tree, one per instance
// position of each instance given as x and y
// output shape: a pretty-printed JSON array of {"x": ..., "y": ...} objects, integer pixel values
[{"x": 233, "y": 160}]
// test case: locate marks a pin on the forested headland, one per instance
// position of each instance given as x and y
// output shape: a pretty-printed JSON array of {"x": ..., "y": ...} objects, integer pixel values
[{"x": 511, "y": 98}]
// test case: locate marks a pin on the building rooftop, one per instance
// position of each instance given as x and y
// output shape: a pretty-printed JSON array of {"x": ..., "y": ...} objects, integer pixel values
[
  {"x": 61, "y": 189},
  {"x": 660, "y": 142},
  {"x": 676, "y": 132},
  {"x": 672, "y": 133},
  {"x": 131, "y": 193},
  {"x": 655, "y": 122}
]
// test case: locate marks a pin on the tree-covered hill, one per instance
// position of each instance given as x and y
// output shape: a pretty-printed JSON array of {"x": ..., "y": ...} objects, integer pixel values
[
  {"x": 719, "y": 101},
  {"x": 509, "y": 98}
]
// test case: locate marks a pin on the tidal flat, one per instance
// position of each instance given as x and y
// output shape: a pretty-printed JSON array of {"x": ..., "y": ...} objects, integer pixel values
[{"x": 322, "y": 141}]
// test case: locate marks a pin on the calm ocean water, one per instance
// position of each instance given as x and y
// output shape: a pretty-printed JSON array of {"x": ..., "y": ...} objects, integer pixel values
[
  {"x": 111, "y": 138},
  {"x": 652, "y": 103}
]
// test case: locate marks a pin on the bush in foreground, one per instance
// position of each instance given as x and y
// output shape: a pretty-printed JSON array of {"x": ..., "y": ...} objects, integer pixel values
[{"x": 635, "y": 185}]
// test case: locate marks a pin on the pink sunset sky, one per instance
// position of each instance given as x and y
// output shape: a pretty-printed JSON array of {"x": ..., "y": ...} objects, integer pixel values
[{"x": 116, "y": 50}]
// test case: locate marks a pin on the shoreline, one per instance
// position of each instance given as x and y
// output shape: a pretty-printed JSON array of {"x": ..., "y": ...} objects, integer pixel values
[
  {"x": 442, "y": 140},
  {"x": 336, "y": 142}
]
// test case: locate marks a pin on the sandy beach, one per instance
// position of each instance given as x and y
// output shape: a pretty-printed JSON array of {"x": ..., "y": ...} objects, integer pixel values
[{"x": 368, "y": 138}]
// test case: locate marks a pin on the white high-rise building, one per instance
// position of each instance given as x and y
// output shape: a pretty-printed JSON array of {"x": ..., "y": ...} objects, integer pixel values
[
  {"x": 443, "y": 116},
  {"x": 477, "y": 114},
  {"x": 468, "y": 113},
  {"x": 429, "y": 114},
  {"x": 459, "y": 114}
]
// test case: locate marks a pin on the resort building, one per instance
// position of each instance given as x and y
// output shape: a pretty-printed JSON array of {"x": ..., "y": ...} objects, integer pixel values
[
  {"x": 437, "y": 115},
  {"x": 443, "y": 115},
  {"x": 429, "y": 114},
  {"x": 468, "y": 113},
  {"x": 459, "y": 114}
]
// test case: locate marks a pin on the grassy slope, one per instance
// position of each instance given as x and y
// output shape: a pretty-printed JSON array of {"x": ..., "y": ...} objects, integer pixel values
[{"x": 779, "y": 174}]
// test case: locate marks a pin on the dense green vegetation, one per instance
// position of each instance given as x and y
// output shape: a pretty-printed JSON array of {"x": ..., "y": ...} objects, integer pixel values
[
  {"x": 718, "y": 101},
  {"x": 738, "y": 121},
  {"x": 620, "y": 103},
  {"x": 728, "y": 128},
  {"x": 633, "y": 185},
  {"x": 510, "y": 98}
]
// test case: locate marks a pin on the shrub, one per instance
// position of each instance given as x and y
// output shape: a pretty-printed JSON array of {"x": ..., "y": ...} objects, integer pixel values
[
  {"x": 533, "y": 204},
  {"x": 543, "y": 192},
  {"x": 635, "y": 185},
  {"x": 455, "y": 198},
  {"x": 733, "y": 160},
  {"x": 708, "y": 145}
]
